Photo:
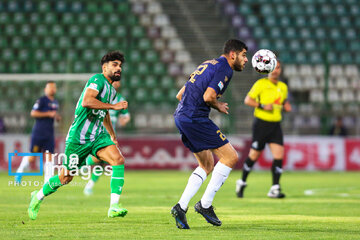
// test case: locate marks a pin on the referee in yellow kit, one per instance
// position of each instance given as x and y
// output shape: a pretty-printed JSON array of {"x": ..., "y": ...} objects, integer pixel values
[{"x": 269, "y": 98}]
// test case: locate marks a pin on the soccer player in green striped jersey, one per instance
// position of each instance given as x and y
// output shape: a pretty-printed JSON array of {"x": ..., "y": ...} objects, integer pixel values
[
  {"x": 121, "y": 117},
  {"x": 86, "y": 136}
]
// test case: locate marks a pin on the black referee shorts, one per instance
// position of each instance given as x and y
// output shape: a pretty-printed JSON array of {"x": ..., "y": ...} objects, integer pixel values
[{"x": 265, "y": 132}]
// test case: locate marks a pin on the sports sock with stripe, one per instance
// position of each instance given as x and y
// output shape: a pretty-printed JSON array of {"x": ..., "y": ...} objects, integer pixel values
[
  {"x": 48, "y": 170},
  {"x": 276, "y": 170},
  {"x": 219, "y": 175},
  {"x": 96, "y": 173},
  {"x": 248, "y": 164},
  {"x": 116, "y": 183},
  {"x": 24, "y": 164},
  {"x": 196, "y": 179},
  {"x": 49, "y": 187},
  {"x": 89, "y": 161}
]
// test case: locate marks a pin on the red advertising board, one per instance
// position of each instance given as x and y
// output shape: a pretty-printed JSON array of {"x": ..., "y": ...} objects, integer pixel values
[
  {"x": 168, "y": 152},
  {"x": 352, "y": 157},
  {"x": 309, "y": 153}
]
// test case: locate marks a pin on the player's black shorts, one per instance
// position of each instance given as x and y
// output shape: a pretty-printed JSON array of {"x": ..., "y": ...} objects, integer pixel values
[
  {"x": 265, "y": 132},
  {"x": 42, "y": 144},
  {"x": 200, "y": 135}
]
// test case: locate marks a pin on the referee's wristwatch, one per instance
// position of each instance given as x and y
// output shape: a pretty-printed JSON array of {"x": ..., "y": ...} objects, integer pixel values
[{"x": 261, "y": 106}]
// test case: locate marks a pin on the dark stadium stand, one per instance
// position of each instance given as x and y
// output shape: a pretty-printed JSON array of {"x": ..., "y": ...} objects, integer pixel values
[
  {"x": 317, "y": 42},
  {"x": 43, "y": 36}
]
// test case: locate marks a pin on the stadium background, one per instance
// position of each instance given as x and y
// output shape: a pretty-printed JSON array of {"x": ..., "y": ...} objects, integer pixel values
[{"x": 164, "y": 41}]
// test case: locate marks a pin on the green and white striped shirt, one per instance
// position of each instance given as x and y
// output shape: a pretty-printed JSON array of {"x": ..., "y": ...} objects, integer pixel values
[{"x": 88, "y": 122}]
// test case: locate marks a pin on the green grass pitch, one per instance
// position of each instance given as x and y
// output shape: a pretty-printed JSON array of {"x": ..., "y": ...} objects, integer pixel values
[{"x": 331, "y": 210}]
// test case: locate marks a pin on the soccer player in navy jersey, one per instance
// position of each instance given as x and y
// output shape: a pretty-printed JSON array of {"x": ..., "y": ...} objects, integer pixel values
[
  {"x": 198, "y": 133},
  {"x": 42, "y": 137}
]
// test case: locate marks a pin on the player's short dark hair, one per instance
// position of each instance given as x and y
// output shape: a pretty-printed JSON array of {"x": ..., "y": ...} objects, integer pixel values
[
  {"x": 112, "y": 56},
  {"x": 50, "y": 81},
  {"x": 234, "y": 45}
]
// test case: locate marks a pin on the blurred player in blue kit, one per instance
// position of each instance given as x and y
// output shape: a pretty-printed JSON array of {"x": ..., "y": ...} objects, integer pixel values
[
  {"x": 198, "y": 133},
  {"x": 42, "y": 137}
]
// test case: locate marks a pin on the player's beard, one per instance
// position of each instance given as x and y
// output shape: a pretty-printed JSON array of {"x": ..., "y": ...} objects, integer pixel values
[
  {"x": 115, "y": 78},
  {"x": 237, "y": 65}
]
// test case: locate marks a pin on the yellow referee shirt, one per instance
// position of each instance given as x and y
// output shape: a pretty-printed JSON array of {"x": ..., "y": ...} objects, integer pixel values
[{"x": 266, "y": 92}]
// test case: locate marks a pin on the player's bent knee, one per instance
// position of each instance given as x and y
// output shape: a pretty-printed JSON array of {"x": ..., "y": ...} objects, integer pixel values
[
  {"x": 278, "y": 155},
  {"x": 118, "y": 160},
  {"x": 233, "y": 157},
  {"x": 234, "y": 161},
  {"x": 209, "y": 169},
  {"x": 65, "y": 179},
  {"x": 254, "y": 155}
]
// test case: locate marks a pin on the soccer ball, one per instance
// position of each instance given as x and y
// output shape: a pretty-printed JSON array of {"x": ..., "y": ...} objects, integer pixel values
[{"x": 264, "y": 61}]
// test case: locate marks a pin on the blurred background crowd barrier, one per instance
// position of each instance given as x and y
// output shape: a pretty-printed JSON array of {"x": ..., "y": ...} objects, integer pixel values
[{"x": 164, "y": 41}]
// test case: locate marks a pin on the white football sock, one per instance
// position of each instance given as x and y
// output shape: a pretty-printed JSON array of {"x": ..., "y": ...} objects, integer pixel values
[
  {"x": 197, "y": 177},
  {"x": 40, "y": 195},
  {"x": 275, "y": 187},
  {"x": 219, "y": 175},
  {"x": 90, "y": 184},
  {"x": 24, "y": 164},
  {"x": 48, "y": 171},
  {"x": 114, "y": 198}
]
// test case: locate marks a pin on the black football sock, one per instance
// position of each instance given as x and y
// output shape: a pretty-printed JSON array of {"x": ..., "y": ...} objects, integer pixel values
[
  {"x": 248, "y": 164},
  {"x": 276, "y": 170}
]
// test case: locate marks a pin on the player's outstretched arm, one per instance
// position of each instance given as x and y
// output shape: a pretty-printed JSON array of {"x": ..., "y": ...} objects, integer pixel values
[
  {"x": 210, "y": 98},
  {"x": 287, "y": 106},
  {"x": 90, "y": 101},
  {"x": 253, "y": 103},
  {"x": 123, "y": 120},
  {"x": 39, "y": 114},
  {"x": 120, "y": 105},
  {"x": 180, "y": 93}
]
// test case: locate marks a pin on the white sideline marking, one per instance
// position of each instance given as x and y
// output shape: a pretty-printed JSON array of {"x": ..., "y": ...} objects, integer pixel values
[{"x": 310, "y": 192}]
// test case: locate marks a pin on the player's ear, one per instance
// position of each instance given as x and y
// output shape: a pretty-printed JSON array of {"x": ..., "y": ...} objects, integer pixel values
[
  {"x": 233, "y": 55},
  {"x": 103, "y": 67}
]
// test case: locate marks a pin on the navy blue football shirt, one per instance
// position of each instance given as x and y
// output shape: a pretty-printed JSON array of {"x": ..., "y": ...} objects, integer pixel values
[
  {"x": 44, "y": 127},
  {"x": 215, "y": 73}
]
